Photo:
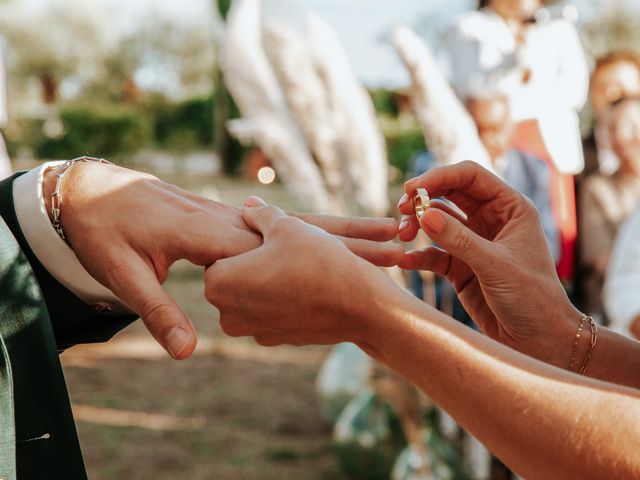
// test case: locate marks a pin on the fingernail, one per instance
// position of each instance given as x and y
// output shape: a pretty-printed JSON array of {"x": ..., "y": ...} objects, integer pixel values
[
  {"x": 254, "y": 201},
  {"x": 403, "y": 199},
  {"x": 404, "y": 224},
  {"x": 433, "y": 221},
  {"x": 177, "y": 340}
]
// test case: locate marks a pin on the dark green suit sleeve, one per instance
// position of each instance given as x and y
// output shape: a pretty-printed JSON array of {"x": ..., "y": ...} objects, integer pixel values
[{"x": 73, "y": 320}]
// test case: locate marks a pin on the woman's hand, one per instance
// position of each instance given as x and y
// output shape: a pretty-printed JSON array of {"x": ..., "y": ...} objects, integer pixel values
[
  {"x": 127, "y": 228},
  {"x": 496, "y": 258},
  {"x": 302, "y": 286}
]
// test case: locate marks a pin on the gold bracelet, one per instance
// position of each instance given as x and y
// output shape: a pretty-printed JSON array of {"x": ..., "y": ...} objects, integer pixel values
[
  {"x": 576, "y": 341},
  {"x": 594, "y": 340}
]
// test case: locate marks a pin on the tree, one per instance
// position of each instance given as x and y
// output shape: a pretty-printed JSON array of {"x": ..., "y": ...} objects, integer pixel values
[{"x": 73, "y": 43}]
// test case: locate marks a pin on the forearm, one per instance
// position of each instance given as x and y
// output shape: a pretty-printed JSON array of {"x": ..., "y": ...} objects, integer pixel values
[{"x": 542, "y": 421}]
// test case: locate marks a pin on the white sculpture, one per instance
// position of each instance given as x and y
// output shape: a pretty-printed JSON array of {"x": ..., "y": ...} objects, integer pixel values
[
  {"x": 307, "y": 99},
  {"x": 360, "y": 141},
  {"x": 266, "y": 117},
  {"x": 448, "y": 128}
]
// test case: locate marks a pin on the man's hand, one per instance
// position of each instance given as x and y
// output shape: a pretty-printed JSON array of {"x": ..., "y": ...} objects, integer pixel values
[{"x": 127, "y": 228}]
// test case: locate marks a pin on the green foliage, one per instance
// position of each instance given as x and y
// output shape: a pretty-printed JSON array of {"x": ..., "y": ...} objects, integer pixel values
[
  {"x": 181, "y": 126},
  {"x": 111, "y": 130},
  {"x": 403, "y": 147},
  {"x": 97, "y": 130},
  {"x": 224, "y": 6},
  {"x": 384, "y": 101},
  {"x": 404, "y": 139}
]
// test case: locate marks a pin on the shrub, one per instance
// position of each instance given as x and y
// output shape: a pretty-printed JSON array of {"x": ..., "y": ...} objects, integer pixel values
[
  {"x": 384, "y": 101},
  {"x": 103, "y": 130},
  {"x": 182, "y": 126},
  {"x": 404, "y": 139}
]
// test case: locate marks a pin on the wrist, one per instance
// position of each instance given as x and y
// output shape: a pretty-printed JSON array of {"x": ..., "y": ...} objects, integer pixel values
[
  {"x": 59, "y": 191},
  {"x": 366, "y": 305},
  {"x": 561, "y": 340},
  {"x": 48, "y": 187}
]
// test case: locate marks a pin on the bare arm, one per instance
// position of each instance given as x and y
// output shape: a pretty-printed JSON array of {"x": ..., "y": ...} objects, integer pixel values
[{"x": 542, "y": 421}]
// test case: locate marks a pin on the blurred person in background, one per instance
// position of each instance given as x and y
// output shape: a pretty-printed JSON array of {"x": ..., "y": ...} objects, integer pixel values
[
  {"x": 615, "y": 76},
  {"x": 522, "y": 170},
  {"x": 539, "y": 64},
  {"x": 5, "y": 162},
  {"x": 606, "y": 201},
  {"x": 621, "y": 299}
]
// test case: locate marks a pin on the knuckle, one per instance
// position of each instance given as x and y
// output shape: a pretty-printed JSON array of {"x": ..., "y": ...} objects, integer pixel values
[
  {"x": 230, "y": 327},
  {"x": 115, "y": 270},
  {"x": 267, "y": 341},
  {"x": 211, "y": 285},
  {"x": 154, "y": 310},
  {"x": 266, "y": 212},
  {"x": 349, "y": 227},
  {"x": 530, "y": 207},
  {"x": 285, "y": 225},
  {"x": 468, "y": 164},
  {"x": 463, "y": 242}
]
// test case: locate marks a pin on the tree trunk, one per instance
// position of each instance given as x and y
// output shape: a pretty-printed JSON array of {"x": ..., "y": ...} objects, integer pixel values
[{"x": 49, "y": 85}]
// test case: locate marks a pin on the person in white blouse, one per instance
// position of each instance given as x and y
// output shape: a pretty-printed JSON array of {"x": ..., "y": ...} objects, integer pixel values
[
  {"x": 622, "y": 302},
  {"x": 538, "y": 62}
]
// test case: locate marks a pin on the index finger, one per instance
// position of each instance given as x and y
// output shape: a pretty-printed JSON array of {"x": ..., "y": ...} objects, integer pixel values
[
  {"x": 466, "y": 180},
  {"x": 377, "y": 229}
]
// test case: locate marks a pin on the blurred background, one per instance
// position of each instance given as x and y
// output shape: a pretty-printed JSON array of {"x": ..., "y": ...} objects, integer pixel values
[{"x": 323, "y": 105}]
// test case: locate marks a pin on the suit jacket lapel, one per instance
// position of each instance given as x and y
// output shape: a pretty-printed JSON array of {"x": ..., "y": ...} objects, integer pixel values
[{"x": 33, "y": 395}]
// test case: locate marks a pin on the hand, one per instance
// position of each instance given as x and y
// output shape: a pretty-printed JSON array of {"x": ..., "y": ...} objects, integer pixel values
[
  {"x": 496, "y": 258},
  {"x": 299, "y": 287},
  {"x": 127, "y": 228}
]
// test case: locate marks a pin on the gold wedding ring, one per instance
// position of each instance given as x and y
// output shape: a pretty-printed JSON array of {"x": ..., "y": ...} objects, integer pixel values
[{"x": 421, "y": 201}]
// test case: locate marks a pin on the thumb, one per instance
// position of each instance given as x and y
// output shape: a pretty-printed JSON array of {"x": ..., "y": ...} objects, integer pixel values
[
  {"x": 456, "y": 238},
  {"x": 139, "y": 288},
  {"x": 260, "y": 216}
]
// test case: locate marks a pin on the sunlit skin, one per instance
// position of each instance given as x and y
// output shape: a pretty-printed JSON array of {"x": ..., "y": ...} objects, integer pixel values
[
  {"x": 543, "y": 422},
  {"x": 493, "y": 121},
  {"x": 127, "y": 228},
  {"x": 624, "y": 132},
  {"x": 612, "y": 82}
]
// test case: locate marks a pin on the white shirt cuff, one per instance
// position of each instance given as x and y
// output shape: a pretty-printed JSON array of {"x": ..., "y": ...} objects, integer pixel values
[{"x": 53, "y": 252}]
